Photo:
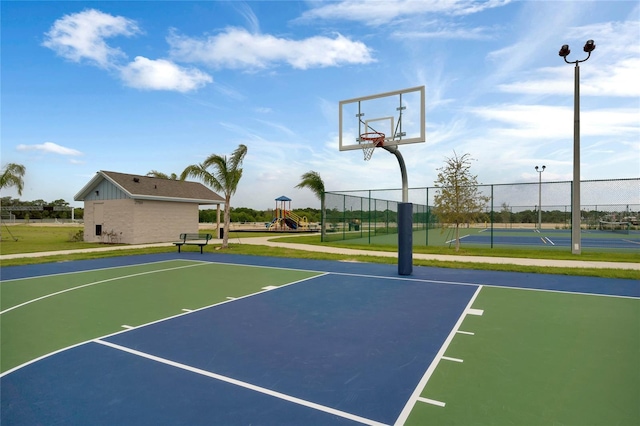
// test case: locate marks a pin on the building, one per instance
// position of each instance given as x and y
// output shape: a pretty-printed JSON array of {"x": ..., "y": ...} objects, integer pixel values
[{"x": 133, "y": 209}]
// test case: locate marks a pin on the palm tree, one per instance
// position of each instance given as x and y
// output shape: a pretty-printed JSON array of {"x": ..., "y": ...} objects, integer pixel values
[
  {"x": 12, "y": 176},
  {"x": 225, "y": 179},
  {"x": 157, "y": 174},
  {"x": 313, "y": 181}
]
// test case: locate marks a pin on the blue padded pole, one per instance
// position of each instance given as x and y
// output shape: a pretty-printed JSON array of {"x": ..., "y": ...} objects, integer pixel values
[{"x": 405, "y": 238}]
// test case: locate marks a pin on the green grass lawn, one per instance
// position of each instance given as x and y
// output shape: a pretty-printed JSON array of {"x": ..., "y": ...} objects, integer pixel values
[{"x": 38, "y": 238}]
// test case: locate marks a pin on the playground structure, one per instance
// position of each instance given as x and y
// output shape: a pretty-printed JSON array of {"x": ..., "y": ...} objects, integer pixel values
[{"x": 285, "y": 219}]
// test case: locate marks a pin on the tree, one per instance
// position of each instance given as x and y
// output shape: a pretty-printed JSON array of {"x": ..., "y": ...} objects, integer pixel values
[
  {"x": 157, "y": 174},
  {"x": 505, "y": 214},
  {"x": 312, "y": 180},
  {"x": 225, "y": 179},
  {"x": 457, "y": 199},
  {"x": 12, "y": 176}
]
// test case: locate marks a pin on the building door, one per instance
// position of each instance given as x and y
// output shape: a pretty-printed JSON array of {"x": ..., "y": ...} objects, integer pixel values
[{"x": 98, "y": 217}]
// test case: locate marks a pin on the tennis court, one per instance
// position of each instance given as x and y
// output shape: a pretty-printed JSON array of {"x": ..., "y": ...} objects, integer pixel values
[
  {"x": 594, "y": 239},
  {"x": 227, "y": 339},
  {"x": 513, "y": 237}
]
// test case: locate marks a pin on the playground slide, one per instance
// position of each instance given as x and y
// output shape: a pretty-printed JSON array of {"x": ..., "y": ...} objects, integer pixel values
[
  {"x": 291, "y": 223},
  {"x": 272, "y": 223}
]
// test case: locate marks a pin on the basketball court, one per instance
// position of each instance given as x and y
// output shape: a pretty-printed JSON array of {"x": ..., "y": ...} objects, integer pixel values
[{"x": 224, "y": 339}]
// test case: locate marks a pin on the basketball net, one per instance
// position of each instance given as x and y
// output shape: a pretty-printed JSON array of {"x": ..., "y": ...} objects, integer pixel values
[{"x": 370, "y": 141}]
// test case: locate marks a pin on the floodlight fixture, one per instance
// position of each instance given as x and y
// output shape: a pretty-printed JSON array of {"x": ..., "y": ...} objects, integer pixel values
[
  {"x": 589, "y": 46},
  {"x": 564, "y": 51}
]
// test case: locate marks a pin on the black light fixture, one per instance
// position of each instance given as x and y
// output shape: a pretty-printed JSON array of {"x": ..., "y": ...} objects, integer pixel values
[
  {"x": 564, "y": 50},
  {"x": 589, "y": 46}
]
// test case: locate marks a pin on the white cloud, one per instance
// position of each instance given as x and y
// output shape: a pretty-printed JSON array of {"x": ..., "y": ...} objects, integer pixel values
[
  {"x": 50, "y": 147},
  {"x": 382, "y": 12},
  {"x": 81, "y": 36},
  {"x": 161, "y": 74},
  {"x": 451, "y": 32},
  {"x": 526, "y": 122},
  {"x": 237, "y": 48}
]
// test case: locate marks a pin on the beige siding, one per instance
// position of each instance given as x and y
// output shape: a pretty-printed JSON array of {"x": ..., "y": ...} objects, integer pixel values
[
  {"x": 130, "y": 221},
  {"x": 160, "y": 221}
]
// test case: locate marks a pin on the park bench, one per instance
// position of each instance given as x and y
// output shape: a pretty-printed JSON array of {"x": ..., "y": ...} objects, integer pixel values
[{"x": 193, "y": 239}]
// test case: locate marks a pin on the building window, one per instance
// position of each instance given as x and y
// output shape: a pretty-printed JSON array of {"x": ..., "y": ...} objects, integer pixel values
[{"x": 98, "y": 230}]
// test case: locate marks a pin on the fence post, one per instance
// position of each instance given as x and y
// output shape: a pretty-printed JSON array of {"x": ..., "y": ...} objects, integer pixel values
[
  {"x": 491, "y": 216},
  {"x": 369, "y": 214}
]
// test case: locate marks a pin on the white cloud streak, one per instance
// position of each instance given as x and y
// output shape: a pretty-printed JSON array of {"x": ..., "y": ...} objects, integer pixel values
[
  {"x": 237, "y": 48},
  {"x": 50, "y": 148},
  {"x": 375, "y": 13}
]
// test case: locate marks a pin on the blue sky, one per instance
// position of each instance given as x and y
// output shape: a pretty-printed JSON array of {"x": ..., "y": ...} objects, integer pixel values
[{"x": 152, "y": 85}]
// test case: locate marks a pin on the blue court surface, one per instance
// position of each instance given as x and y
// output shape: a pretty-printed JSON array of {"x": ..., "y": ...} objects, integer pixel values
[
  {"x": 593, "y": 239},
  {"x": 347, "y": 346}
]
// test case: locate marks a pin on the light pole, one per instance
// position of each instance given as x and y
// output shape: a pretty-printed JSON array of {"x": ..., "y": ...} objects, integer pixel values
[
  {"x": 540, "y": 196},
  {"x": 575, "y": 198}
]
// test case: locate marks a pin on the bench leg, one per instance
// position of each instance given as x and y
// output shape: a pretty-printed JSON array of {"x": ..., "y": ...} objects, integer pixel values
[
  {"x": 179, "y": 248},
  {"x": 201, "y": 247}
]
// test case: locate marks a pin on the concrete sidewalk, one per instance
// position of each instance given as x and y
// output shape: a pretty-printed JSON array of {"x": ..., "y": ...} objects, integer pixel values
[{"x": 264, "y": 241}]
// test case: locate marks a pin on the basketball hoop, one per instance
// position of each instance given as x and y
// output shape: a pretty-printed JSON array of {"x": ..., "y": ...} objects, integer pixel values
[{"x": 369, "y": 142}]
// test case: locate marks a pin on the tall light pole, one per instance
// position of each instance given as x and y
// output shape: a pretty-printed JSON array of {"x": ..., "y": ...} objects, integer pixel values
[
  {"x": 540, "y": 196},
  {"x": 576, "y": 245}
]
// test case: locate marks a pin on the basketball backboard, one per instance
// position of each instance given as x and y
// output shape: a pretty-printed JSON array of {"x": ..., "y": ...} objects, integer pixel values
[{"x": 399, "y": 115}]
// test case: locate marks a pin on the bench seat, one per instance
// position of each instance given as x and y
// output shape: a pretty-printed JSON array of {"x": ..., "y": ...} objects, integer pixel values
[{"x": 200, "y": 240}]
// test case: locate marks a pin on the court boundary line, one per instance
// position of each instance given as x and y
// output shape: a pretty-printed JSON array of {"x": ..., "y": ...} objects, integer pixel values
[
  {"x": 429, "y": 281},
  {"x": 411, "y": 402},
  {"x": 46, "y": 296},
  {"x": 96, "y": 269},
  {"x": 240, "y": 383},
  {"x": 341, "y": 273},
  {"x": 105, "y": 336}
]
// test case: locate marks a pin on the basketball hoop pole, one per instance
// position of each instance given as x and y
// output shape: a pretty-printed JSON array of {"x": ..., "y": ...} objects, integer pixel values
[{"x": 405, "y": 219}]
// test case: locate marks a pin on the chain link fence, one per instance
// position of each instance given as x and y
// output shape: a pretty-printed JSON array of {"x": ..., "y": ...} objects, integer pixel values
[{"x": 610, "y": 212}]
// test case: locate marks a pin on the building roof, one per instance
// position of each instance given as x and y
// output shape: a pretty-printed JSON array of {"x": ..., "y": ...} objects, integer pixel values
[{"x": 152, "y": 188}]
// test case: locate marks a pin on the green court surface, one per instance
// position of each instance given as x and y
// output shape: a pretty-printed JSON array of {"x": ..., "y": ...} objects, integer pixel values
[
  {"x": 540, "y": 358},
  {"x": 526, "y": 357},
  {"x": 104, "y": 301}
]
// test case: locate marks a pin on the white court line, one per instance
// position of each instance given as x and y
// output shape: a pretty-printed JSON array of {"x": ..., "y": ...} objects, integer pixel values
[
  {"x": 447, "y": 358},
  {"x": 550, "y": 242},
  {"x": 477, "y": 312},
  {"x": 453, "y": 241},
  {"x": 46, "y": 296},
  {"x": 422, "y": 280},
  {"x": 270, "y": 287},
  {"x": 187, "y": 310},
  {"x": 245, "y": 385},
  {"x": 115, "y": 333},
  {"x": 404, "y": 415},
  {"x": 466, "y": 332},
  {"x": 100, "y": 269},
  {"x": 432, "y": 401},
  {"x": 128, "y": 327}
]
